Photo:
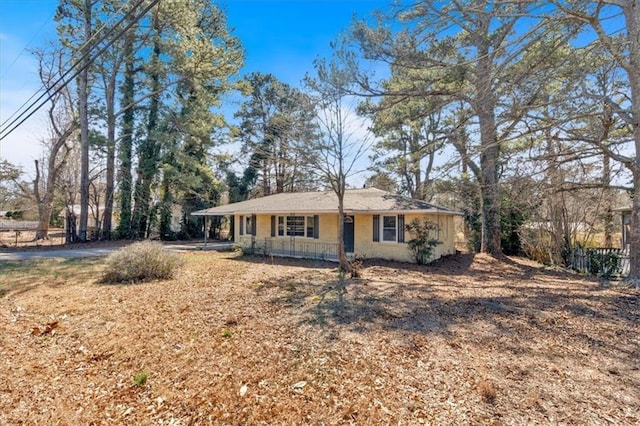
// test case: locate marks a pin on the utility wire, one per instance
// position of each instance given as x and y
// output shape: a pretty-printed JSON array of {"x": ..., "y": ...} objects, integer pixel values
[
  {"x": 5, "y": 133},
  {"x": 81, "y": 48},
  {"x": 16, "y": 60}
]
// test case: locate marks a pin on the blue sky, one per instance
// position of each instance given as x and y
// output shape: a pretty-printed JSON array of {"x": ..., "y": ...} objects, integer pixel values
[{"x": 281, "y": 37}]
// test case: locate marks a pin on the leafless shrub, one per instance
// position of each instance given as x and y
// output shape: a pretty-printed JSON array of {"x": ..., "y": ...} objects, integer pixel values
[{"x": 143, "y": 261}]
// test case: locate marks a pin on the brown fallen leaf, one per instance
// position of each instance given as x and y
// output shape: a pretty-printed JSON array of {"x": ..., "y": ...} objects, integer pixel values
[{"x": 50, "y": 327}]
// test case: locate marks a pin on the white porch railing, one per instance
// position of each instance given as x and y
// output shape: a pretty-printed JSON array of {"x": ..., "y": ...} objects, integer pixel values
[{"x": 297, "y": 247}]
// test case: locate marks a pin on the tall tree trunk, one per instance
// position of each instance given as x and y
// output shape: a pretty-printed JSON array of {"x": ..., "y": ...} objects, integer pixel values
[
  {"x": 70, "y": 225},
  {"x": 44, "y": 208},
  {"x": 485, "y": 108},
  {"x": 341, "y": 186},
  {"x": 632, "y": 15},
  {"x": 280, "y": 179},
  {"x": 56, "y": 161},
  {"x": 126, "y": 139},
  {"x": 266, "y": 181},
  {"x": 111, "y": 157},
  {"x": 342, "y": 254},
  {"x": 555, "y": 201},
  {"x": 83, "y": 97},
  {"x": 149, "y": 150},
  {"x": 634, "y": 235},
  {"x": 166, "y": 207},
  {"x": 44, "y": 219}
]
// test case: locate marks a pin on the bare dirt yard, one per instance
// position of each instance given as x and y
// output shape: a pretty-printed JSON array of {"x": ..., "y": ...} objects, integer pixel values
[{"x": 251, "y": 340}]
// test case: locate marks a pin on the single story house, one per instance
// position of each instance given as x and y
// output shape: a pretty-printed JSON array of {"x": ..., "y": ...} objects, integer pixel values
[
  {"x": 96, "y": 215},
  {"x": 71, "y": 216},
  {"x": 305, "y": 224}
]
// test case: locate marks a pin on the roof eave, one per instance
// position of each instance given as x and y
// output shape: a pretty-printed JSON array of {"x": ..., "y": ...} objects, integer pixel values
[
  {"x": 623, "y": 209},
  {"x": 331, "y": 211}
]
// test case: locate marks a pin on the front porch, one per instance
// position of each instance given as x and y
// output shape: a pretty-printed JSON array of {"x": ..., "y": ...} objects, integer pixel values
[{"x": 296, "y": 247}]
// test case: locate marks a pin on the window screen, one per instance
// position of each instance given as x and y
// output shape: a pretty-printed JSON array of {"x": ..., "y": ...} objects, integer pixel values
[{"x": 389, "y": 228}]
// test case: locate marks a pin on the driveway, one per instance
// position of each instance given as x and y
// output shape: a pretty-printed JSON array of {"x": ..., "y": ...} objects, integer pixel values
[{"x": 102, "y": 251}]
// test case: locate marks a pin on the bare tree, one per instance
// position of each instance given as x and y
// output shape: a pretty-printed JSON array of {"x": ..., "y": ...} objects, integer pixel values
[
  {"x": 488, "y": 55},
  {"x": 623, "y": 44},
  {"x": 62, "y": 125},
  {"x": 340, "y": 145}
]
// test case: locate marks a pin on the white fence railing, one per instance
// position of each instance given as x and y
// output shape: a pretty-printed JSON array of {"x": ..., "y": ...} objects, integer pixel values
[
  {"x": 294, "y": 247},
  {"x": 18, "y": 225},
  {"x": 612, "y": 262}
]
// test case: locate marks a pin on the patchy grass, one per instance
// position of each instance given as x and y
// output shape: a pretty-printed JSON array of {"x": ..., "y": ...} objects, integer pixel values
[
  {"x": 141, "y": 378},
  {"x": 25, "y": 275},
  {"x": 470, "y": 340}
]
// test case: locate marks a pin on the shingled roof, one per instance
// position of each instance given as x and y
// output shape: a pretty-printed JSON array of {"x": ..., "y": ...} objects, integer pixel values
[{"x": 367, "y": 200}]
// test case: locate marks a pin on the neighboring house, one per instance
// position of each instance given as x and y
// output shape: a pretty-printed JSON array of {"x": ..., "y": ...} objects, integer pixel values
[
  {"x": 625, "y": 213},
  {"x": 306, "y": 224},
  {"x": 97, "y": 212},
  {"x": 94, "y": 219}
]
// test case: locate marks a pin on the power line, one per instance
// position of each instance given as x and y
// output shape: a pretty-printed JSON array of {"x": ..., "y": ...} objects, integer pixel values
[
  {"x": 18, "y": 56},
  {"x": 58, "y": 87},
  {"x": 86, "y": 55},
  {"x": 86, "y": 43}
]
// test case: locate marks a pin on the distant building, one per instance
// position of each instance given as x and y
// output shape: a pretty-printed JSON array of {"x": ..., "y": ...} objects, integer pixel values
[{"x": 625, "y": 214}]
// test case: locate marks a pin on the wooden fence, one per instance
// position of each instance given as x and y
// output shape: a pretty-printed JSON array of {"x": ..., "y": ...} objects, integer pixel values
[{"x": 611, "y": 262}]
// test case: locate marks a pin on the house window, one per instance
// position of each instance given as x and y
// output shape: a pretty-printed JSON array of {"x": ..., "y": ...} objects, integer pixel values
[
  {"x": 310, "y": 226},
  {"x": 389, "y": 228},
  {"x": 295, "y": 226},
  {"x": 281, "y": 226},
  {"x": 248, "y": 225}
]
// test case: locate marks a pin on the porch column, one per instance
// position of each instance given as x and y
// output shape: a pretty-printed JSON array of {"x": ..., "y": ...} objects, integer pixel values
[{"x": 206, "y": 222}]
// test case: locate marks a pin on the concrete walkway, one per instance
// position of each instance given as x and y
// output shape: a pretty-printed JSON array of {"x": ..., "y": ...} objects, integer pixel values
[{"x": 101, "y": 251}]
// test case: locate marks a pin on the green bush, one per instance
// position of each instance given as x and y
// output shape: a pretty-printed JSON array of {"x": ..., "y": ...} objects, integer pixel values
[
  {"x": 141, "y": 261},
  {"x": 605, "y": 265},
  {"x": 422, "y": 244}
]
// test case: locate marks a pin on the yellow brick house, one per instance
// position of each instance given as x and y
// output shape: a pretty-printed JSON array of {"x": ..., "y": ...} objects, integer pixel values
[{"x": 305, "y": 224}]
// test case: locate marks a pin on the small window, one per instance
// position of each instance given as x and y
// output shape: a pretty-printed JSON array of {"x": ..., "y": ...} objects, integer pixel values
[
  {"x": 310, "y": 226},
  {"x": 248, "y": 226},
  {"x": 281, "y": 226},
  {"x": 389, "y": 228}
]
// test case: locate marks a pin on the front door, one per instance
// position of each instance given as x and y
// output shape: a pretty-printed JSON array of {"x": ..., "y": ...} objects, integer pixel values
[{"x": 348, "y": 234}]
